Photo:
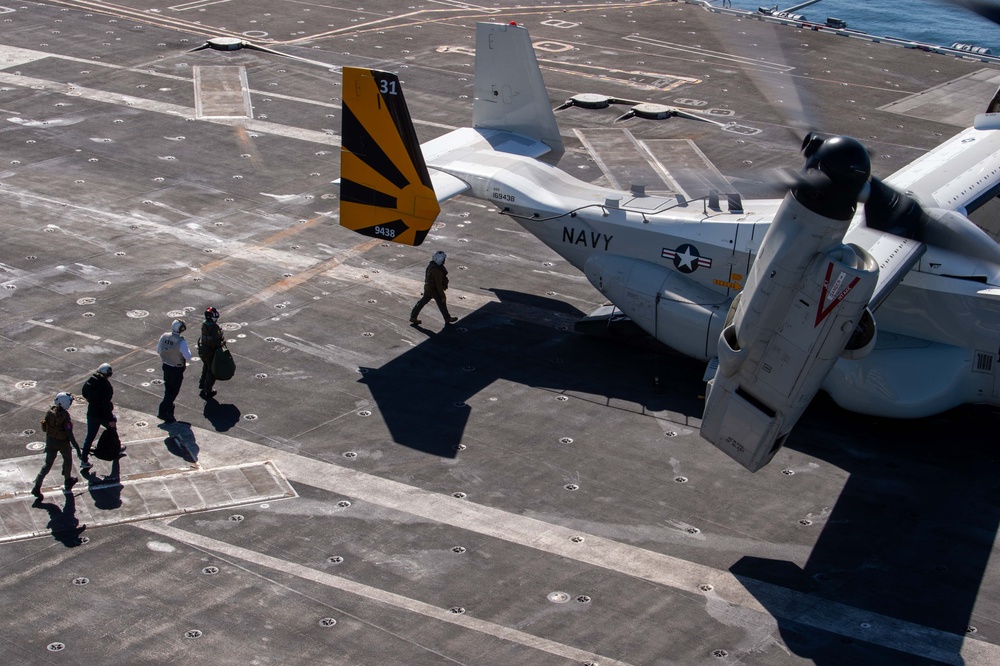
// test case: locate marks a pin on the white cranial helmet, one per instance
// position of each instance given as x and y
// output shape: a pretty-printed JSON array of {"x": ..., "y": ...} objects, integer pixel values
[
  {"x": 105, "y": 369},
  {"x": 178, "y": 326},
  {"x": 439, "y": 257},
  {"x": 64, "y": 400}
]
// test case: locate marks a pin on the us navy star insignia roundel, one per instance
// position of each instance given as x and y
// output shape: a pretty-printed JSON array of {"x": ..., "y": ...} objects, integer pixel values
[{"x": 686, "y": 258}]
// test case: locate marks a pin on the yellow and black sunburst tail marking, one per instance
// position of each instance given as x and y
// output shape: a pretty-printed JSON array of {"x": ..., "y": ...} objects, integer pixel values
[{"x": 385, "y": 189}]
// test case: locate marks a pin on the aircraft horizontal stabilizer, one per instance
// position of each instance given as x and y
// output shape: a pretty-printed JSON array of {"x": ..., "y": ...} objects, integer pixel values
[{"x": 385, "y": 188}]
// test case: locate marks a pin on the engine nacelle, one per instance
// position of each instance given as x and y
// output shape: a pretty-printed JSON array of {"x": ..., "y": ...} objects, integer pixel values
[{"x": 805, "y": 296}]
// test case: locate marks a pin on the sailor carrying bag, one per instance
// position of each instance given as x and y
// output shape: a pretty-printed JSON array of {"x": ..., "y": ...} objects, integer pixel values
[
  {"x": 223, "y": 365},
  {"x": 109, "y": 445}
]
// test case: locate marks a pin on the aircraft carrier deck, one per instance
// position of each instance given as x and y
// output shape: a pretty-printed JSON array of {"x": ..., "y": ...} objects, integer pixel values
[{"x": 503, "y": 491}]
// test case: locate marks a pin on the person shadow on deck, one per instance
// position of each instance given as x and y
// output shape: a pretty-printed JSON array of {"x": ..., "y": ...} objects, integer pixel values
[
  {"x": 63, "y": 523},
  {"x": 181, "y": 441},
  {"x": 221, "y": 416},
  {"x": 106, "y": 491}
]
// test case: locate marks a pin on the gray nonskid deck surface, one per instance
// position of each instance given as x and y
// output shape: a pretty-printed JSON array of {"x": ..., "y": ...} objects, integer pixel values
[
  {"x": 502, "y": 491},
  {"x": 118, "y": 498}
]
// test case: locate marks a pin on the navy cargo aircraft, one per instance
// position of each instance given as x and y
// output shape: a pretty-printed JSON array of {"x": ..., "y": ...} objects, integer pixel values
[{"x": 892, "y": 307}]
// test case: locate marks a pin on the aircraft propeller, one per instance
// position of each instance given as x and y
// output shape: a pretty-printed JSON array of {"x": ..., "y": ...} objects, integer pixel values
[
  {"x": 838, "y": 168},
  {"x": 837, "y": 176},
  {"x": 985, "y": 8}
]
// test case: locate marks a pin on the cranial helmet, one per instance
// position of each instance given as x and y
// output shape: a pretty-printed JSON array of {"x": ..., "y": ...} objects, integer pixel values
[
  {"x": 178, "y": 326},
  {"x": 439, "y": 257},
  {"x": 64, "y": 400},
  {"x": 105, "y": 369},
  {"x": 211, "y": 314}
]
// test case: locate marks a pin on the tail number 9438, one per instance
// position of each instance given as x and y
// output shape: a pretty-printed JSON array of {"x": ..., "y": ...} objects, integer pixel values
[{"x": 386, "y": 232}]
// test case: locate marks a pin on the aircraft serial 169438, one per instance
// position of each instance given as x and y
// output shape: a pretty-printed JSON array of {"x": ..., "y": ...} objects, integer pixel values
[{"x": 891, "y": 306}]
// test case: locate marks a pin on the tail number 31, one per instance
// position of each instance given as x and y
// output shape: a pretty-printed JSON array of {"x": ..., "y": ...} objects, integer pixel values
[{"x": 387, "y": 87}]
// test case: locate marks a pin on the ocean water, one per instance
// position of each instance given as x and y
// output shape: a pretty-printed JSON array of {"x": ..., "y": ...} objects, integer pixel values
[{"x": 931, "y": 21}]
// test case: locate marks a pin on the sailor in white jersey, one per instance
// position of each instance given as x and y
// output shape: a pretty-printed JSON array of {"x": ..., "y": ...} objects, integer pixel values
[{"x": 174, "y": 352}]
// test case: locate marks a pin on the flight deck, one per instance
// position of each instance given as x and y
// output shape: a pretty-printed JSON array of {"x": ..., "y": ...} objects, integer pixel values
[{"x": 504, "y": 490}]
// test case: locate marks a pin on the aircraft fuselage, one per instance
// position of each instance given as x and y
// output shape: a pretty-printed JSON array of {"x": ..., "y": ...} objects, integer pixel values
[{"x": 679, "y": 265}]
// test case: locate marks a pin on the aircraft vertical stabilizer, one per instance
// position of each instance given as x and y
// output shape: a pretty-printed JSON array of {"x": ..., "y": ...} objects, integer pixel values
[
  {"x": 385, "y": 188},
  {"x": 509, "y": 90}
]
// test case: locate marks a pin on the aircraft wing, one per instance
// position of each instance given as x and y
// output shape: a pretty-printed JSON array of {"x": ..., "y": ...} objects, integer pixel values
[
  {"x": 895, "y": 256},
  {"x": 960, "y": 174}
]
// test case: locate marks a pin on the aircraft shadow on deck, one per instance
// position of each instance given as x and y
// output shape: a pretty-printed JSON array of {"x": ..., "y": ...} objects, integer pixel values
[
  {"x": 909, "y": 537},
  {"x": 423, "y": 394}
]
